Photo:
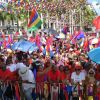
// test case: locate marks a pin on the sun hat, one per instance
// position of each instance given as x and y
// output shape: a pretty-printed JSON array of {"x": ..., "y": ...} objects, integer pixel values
[
  {"x": 23, "y": 71},
  {"x": 78, "y": 65}
]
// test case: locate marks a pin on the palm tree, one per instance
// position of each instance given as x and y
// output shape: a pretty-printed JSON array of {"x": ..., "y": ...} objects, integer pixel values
[
  {"x": 2, "y": 17},
  {"x": 89, "y": 14}
]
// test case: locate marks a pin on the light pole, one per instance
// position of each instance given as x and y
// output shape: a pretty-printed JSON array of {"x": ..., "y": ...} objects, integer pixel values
[{"x": 8, "y": 28}]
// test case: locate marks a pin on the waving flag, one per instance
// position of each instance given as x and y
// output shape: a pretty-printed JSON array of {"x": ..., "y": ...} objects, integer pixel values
[
  {"x": 86, "y": 44},
  {"x": 96, "y": 22},
  {"x": 35, "y": 21},
  {"x": 38, "y": 41},
  {"x": 80, "y": 35}
]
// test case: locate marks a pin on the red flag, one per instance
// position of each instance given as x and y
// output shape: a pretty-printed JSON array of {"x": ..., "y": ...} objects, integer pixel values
[
  {"x": 38, "y": 41},
  {"x": 49, "y": 43},
  {"x": 96, "y": 22},
  {"x": 86, "y": 44},
  {"x": 4, "y": 43},
  {"x": 9, "y": 39},
  {"x": 3, "y": 36}
]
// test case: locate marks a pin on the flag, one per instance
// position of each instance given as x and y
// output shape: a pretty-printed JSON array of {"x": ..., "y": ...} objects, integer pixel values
[
  {"x": 9, "y": 39},
  {"x": 38, "y": 41},
  {"x": 96, "y": 22},
  {"x": 86, "y": 45},
  {"x": 65, "y": 29},
  {"x": 73, "y": 37},
  {"x": 35, "y": 21},
  {"x": 4, "y": 43},
  {"x": 80, "y": 35},
  {"x": 3, "y": 36},
  {"x": 49, "y": 43}
]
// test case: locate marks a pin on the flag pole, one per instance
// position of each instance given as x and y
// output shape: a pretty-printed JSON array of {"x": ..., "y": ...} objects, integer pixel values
[
  {"x": 28, "y": 19},
  {"x": 42, "y": 20},
  {"x": 28, "y": 16}
]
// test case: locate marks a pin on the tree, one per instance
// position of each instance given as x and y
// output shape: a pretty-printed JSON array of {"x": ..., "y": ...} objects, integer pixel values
[{"x": 89, "y": 14}]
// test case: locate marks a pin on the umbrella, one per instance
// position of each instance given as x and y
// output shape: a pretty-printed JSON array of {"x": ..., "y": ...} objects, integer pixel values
[
  {"x": 15, "y": 45},
  {"x": 33, "y": 48},
  {"x": 96, "y": 22},
  {"x": 24, "y": 46},
  {"x": 94, "y": 55}
]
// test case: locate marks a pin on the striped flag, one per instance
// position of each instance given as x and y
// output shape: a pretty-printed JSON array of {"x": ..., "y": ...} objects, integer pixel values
[{"x": 35, "y": 21}]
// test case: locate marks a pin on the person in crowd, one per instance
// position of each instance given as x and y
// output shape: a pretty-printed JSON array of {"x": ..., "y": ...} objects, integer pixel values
[
  {"x": 12, "y": 68},
  {"x": 20, "y": 63},
  {"x": 61, "y": 69},
  {"x": 2, "y": 68},
  {"x": 40, "y": 79},
  {"x": 77, "y": 79},
  {"x": 97, "y": 75},
  {"x": 90, "y": 83},
  {"x": 53, "y": 79},
  {"x": 28, "y": 81},
  {"x": 77, "y": 76}
]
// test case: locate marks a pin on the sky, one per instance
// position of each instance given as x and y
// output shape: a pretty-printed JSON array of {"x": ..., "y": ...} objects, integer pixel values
[{"x": 96, "y": 7}]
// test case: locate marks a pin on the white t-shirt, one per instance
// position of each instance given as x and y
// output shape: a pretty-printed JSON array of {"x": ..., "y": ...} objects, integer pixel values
[
  {"x": 78, "y": 78},
  {"x": 30, "y": 78},
  {"x": 20, "y": 65},
  {"x": 12, "y": 67}
]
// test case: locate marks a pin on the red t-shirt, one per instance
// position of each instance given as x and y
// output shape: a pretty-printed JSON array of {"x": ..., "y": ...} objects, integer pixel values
[
  {"x": 7, "y": 74},
  {"x": 39, "y": 78},
  {"x": 54, "y": 76},
  {"x": 67, "y": 76},
  {"x": 62, "y": 76}
]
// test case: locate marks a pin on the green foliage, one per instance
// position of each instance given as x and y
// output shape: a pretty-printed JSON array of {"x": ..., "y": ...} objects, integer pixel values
[{"x": 89, "y": 14}]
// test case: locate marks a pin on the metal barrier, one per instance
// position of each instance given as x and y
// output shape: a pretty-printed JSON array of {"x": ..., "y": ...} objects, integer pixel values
[
  {"x": 4, "y": 88},
  {"x": 56, "y": 91}
]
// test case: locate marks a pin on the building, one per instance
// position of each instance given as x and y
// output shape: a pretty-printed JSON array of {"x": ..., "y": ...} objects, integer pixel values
[{"x": 6, "y": 25}]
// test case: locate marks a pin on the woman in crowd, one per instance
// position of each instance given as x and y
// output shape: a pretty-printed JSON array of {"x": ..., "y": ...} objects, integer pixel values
[{"x": 40, "y": 79}]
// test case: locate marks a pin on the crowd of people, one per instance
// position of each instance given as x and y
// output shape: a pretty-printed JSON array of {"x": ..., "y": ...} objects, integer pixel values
[{"x": 57, "y": 70}]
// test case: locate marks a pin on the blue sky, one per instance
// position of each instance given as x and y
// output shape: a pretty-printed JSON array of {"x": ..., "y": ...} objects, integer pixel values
[{"x": 96, "y": 7}]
